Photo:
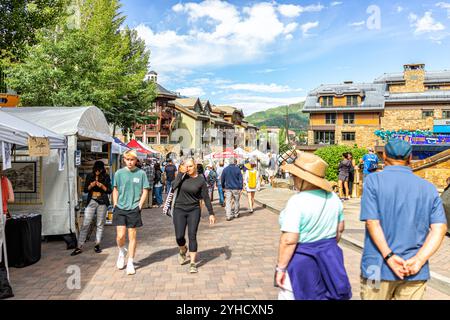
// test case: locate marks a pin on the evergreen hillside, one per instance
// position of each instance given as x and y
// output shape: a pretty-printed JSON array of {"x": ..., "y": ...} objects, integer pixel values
[{"x": 276, "y": 117}]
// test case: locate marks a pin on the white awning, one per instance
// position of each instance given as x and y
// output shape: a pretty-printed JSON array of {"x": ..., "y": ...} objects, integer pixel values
[
  {"x": 86, "y": 122},
  {"x": 17, "y": 131}
]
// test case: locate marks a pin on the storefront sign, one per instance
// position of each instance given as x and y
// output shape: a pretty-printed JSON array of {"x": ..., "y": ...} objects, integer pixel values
[
  {"x": 6, "y": 155},
  {"x": 96, "y": 146},
  {"x": 425, "y": 140},
  {"x": 78, "y": 158},
  {"x": 62, "y": 159},
  {"x": 38, "y": 147}
]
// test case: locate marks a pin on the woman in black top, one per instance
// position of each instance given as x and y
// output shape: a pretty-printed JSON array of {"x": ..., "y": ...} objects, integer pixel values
[
  {"x": 98, "y": 187},
  {"x": 191, "y": 188}
]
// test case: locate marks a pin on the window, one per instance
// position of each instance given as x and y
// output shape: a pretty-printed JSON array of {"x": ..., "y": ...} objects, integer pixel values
[
  {"x": 348, "y": 136},
  {"x": 164, "y": 140},
  {"x": 433, "y": 87},
  {"x": 352, "y": 100},
  {"x": 446, "y": 114},
  {"x": 427, "y": 113},
  {"x": 330, "y": 118},
  {"x": 323, "y": 137},
  {"x": 151, "y": 140},
  {"x": 327, "y": 101},
  {"x": 349, "y": 118}
]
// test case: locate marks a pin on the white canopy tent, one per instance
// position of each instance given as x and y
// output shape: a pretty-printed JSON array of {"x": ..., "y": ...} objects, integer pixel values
[
  {"x": 16, "y": 131},
  {"x": 61, "y": 196},
  {"x": 241, "y": 152}
]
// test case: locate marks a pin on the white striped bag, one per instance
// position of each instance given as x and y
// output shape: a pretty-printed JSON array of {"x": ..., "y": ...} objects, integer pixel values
[{"x": 168, "y": 205}]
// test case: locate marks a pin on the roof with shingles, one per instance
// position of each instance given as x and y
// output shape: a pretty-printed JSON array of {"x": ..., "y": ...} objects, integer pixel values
[{"x": 161, "y": 91}]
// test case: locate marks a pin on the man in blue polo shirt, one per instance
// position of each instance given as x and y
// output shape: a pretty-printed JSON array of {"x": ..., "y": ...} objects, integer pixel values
[
  {"x": 405, "y": 226},
  {"x": 370, "y": 162}
]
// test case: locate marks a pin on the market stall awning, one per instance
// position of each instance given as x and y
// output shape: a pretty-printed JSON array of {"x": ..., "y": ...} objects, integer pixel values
[
  {"x": 17, "y": 131},
  {"x": 241, "y": 152},
  {"x": 86, "y": 122},
  {"x": 118, "y": 147},
  {"x": 226, "y": 155},
  {"x": 140, "y": 147},
  {"x": 146, "y": 147}
]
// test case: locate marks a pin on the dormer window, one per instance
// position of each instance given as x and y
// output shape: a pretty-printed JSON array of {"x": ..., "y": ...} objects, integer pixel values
[
  {"x": 352, "y": 101},
  {"x": 327, "y": 101}
]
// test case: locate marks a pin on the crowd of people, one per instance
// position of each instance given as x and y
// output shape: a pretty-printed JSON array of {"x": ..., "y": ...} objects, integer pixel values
[{"x": 404, "y": 216}]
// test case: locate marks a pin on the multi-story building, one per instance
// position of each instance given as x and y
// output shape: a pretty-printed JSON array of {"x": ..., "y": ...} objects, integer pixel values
[
  {"x": 158, "y": 130},
  {"x": 350, "y": 113}
]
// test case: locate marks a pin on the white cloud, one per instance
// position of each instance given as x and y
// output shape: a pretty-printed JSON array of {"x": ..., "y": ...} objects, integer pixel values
[
  {"x": 357, "y": 24},
  {"x": 308, "y": 26},
  {"x": 293, "y": 11},
  {"x": 231, "y": 35},
  {"x": 269, "y": 70},
  {"x": 444, "y": 5},
  {"x": 336, "y": 3},
  {"x": 399, "y": 9},
  {"x": 261, "y": 88},
  {"x": 191, "y": 92},
  {"x": 251, "y": 104},
  {"x": 425, "y": 24}
]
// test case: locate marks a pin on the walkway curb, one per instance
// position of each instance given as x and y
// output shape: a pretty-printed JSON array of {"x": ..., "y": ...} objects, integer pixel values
[{"x": 437, "y": 281}]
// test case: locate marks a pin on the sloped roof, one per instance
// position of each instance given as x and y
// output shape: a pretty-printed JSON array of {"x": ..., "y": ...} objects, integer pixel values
[
  {"x": 163, "y": 92},
  {"x": 187, "y": 102},
  {"x": 373, "y": 96},
  {"x": 430, "y": 76}
]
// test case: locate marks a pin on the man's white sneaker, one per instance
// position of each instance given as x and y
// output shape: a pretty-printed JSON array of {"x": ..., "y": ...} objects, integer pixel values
[
  {"x": 121, "y": 260},
  {"x": 130, "y": 269}
]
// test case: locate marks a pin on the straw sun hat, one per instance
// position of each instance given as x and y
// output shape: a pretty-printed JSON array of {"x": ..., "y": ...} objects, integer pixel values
[{"x": 308, "y": 167}]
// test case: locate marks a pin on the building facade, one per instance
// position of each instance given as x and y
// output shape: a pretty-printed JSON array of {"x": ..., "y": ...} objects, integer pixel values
[
  {"x": 158, "y": 130},
  {"x": 351, "y": 113}
]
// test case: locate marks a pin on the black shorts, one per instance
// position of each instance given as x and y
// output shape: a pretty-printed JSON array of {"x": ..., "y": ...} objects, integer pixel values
[{"x": 128, "y": 218}]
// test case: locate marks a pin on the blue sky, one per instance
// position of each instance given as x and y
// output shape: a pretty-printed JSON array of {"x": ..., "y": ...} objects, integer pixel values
[{"x": 255, "y": 55}]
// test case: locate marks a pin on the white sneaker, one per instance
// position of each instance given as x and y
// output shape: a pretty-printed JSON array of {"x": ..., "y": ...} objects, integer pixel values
[
  {"x": 121, "y": 259},
  {"x": 130, "y": 269}
]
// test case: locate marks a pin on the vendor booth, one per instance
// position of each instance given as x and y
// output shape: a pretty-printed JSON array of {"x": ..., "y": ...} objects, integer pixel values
[
  {"x": 23, "y": 231},
  {"x": 55, "y": 196}
]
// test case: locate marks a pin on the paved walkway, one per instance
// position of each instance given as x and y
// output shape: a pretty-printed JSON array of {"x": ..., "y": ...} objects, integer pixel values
[{"x": 236, "y": 262}]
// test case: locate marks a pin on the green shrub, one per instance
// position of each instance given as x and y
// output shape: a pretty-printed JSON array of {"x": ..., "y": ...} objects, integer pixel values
[{"x": 333, "y": 156}]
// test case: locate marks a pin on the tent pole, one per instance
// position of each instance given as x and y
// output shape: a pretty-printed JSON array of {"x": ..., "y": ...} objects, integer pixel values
[{"x": 68, "y": 186}]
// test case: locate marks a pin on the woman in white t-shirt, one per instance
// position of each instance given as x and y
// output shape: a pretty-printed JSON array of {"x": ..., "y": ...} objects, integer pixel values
[
  {"x": 252, "y": 184},
  {"x": 311, "y": 264}
]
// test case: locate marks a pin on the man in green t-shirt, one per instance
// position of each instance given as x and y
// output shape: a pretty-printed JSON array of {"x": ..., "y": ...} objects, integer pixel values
[{"x": 129, "y": 195}]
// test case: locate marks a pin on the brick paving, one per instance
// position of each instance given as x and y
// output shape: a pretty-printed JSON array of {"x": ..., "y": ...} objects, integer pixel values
[{"x": 236, "y": 261}]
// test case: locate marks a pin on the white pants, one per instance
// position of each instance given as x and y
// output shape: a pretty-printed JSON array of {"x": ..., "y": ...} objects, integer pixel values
[{"x": 286, "y": 293}]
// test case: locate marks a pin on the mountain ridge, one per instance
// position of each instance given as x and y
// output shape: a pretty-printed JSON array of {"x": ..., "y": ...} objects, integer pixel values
[{"x": 276, "y": 117}]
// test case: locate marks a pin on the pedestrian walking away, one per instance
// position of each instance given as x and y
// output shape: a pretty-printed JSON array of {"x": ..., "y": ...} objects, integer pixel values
[
  {"x": 232, "y": 183},
  {"x": 446, "y": 202},
  {"x": 171, "y": 172},
  {"x": 98, "y": 187},
  {"x": 219, "y": 183},
  {"x": 344, "y": 175},
  {"x": 370, "y": 162},
  {"x": 252, "y": 185},
  {"x": 158, "y": 185},
  {"x": 150, "y": 172},
  {"x": 129, "y": 195},
  {"x": 405, "y": 226},
  {"x": 211, "y": 180},
  {"x": 310, "y": 262},
  {"x": 191, "y": 188}
]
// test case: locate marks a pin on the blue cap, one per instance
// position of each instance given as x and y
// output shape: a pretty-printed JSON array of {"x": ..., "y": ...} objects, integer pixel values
[{"x": 398, "y": 149}]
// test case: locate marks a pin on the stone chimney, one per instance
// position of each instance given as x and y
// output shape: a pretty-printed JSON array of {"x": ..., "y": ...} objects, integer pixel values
[{"x": 414, "y": 76}]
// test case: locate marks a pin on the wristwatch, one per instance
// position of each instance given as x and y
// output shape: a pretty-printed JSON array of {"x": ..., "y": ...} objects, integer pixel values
[{"x": 389, "y": 256}]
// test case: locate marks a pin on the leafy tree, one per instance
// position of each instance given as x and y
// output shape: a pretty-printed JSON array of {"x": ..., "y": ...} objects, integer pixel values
[
  {"x": 20, "y": 20},
  {"x": 333, "y": 156},
  {"x": 100, "y": 63}
]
